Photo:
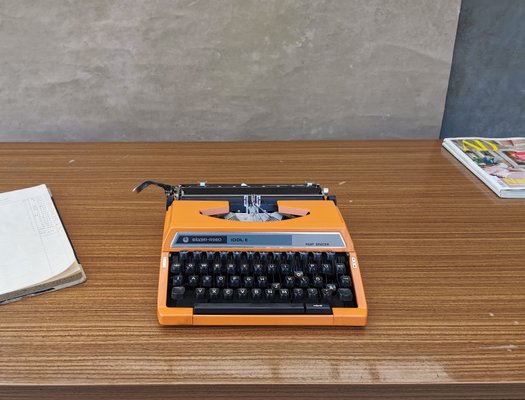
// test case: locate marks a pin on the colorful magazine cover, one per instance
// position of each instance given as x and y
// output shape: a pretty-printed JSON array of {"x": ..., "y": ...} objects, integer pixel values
[{"x": 504, "y": 159}]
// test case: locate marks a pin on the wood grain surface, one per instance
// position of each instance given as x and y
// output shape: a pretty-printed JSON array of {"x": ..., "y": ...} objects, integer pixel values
[{"x": 442, "y": 259}]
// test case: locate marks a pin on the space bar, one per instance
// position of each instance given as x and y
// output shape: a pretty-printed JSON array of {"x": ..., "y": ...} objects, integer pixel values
[{"x": 248, "y": 308}]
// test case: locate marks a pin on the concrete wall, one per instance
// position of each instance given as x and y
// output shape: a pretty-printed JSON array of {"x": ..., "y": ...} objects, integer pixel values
[
  {"x": 230, "y": 69},
  {"x": 487, "y": 85}
]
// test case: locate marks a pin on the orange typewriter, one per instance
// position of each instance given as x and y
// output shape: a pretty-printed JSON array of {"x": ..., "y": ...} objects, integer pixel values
[{"x": 256, "y": 255}]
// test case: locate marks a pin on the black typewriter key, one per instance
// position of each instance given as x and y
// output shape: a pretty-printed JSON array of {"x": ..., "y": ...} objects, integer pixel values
[
  {"x": 311, "y": 294},
  {"x": 203, "y": 268},
  {"x": 227, "y": 294},
  {"x": 230, "y": 269},
  {"x": 220, "y": 281},
  {"x": 298, "y": 274},
  {"x": 262, "y": 281},
  {"x": 206, "y": 281},
  {"x": 276, "y": 285},
  {"x": 249, "y": 281},
  {"x": 311, "y": 269},
  {"x": 193, "y": 281},
  {"x": 326, "y": 294},
  {"x": 214, "y": 293},
  {"x": 177, "y": 293},
  {"x": 345, "y": 294},
  {"x": 340, "y": 268},
  {"x": 200, "y": 293},
  {"x": 326, "y": 269},
  {"x": 285, "y": 269},
  {"x": 303, "y": 256},
  {"x": 289, "y": 281},
  {"x": 189, "y": 269},
  {"x": 244, "y": 269},
  {"x": 331, "y": 286},
  {"x": 298, "y": 269},
  {"x": 260, "y": 256},
  {"x": 258, "y": 269},
  {"x": 176, "y": 268},
  {"x": 284, "y": 294},
  {"x": 216, "y": 268},
  {"x": 317, "y": 308},
  {"x": 345, "y": 281},
  {"x": 177, "y": 280},
  {"x": 272, "y": 269},
  {"x": 269, "y": 294},
  {"x": 242, "y": 293},
  {"x": 304, "y": 281},
  {"x": 298, "y": 294},
  {"x": 249, "y": 308},
  {"x": 235, "y": 281},
  {"x": 318, "y": 281},
  {"x": 256, "y": 294}
]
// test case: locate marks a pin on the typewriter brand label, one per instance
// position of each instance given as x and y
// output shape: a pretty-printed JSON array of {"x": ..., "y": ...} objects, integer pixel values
[
  {"x": 263, "y": 239},
  {"x": 198, "y": 239}
]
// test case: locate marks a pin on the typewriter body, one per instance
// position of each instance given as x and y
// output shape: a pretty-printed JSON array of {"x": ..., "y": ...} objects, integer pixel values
[{"x": 256, "y": 255}]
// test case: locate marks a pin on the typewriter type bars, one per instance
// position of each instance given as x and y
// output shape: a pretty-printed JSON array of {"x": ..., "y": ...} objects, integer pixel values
[{"x": 257, "y": 255}]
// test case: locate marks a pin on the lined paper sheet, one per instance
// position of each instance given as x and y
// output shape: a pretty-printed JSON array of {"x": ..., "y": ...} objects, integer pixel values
[{"x": 33, "y": 243}]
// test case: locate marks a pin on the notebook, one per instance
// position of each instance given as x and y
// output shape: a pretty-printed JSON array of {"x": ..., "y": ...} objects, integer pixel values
[{"x": 37, "y": 255}]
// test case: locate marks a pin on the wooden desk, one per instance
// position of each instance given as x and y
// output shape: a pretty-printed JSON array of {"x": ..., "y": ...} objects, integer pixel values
[{"x": 442, "y": 261}]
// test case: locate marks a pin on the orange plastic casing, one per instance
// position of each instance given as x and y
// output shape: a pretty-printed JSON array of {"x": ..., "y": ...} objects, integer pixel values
[{"x": 194, "y": 216}]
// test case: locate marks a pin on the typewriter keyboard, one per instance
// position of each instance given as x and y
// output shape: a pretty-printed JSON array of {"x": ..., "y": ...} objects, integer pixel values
[{"x": 260, "y": 282}]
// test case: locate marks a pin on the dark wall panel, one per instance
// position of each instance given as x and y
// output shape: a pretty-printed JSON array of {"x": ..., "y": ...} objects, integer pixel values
[{"x": 486, "y": 95}]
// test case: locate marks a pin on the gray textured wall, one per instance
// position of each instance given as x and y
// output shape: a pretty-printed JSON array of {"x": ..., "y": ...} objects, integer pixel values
[
  {"x": 487, "y": 83},
  {"x": 231, "y": 69}
]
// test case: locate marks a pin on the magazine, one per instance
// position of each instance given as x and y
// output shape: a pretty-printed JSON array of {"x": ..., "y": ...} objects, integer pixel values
[{"x": 499, "y": 163}]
